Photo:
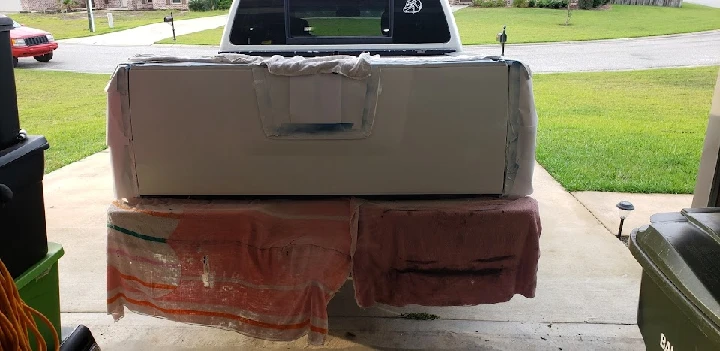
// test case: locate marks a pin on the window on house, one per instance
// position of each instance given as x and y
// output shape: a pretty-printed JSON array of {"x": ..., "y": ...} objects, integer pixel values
[{"x": 177, "y": 1}]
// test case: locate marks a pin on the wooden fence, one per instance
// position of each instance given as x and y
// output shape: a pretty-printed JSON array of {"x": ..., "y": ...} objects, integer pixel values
[{"x": 665, "y": 3}]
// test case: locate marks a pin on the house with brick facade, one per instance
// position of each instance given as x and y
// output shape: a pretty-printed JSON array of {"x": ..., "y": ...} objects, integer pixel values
[
  {"x": 54, "y": 5},
  {"x": 141, "y": 4}
]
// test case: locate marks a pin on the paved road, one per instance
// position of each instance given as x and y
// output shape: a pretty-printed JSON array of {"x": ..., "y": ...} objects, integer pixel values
[
  {"x": 700, "y": 49},
  {"x": 104, "y": 59}
]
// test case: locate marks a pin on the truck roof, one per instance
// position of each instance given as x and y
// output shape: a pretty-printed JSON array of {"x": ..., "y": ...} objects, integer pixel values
[{"x": 322, "y": 27}]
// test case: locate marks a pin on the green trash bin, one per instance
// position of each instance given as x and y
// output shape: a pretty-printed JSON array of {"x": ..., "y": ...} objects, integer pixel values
[
  {"x": 39, "y": 289},
  {"x": 680, "y": 285}
]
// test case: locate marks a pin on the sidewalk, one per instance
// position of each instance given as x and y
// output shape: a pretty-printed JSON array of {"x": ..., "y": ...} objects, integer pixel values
[
  {"x": 587, "y": 294},
  {"x": 149, "y": 34},
  {"x": 711, "y": 3}
]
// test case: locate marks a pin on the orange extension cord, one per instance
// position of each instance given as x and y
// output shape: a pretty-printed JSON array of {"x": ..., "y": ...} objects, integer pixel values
[{"x": 16, "y": 318}]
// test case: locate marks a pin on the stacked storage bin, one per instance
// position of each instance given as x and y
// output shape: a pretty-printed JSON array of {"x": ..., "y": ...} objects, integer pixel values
[{"x": 24, "y": 250}]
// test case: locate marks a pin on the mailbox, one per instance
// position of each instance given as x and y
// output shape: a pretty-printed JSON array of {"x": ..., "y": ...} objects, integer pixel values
[{"x": 171, "y": 20}]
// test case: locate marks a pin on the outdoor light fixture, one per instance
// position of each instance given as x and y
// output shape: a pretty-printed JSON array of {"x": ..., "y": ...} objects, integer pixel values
[
  {"x": 624, "y": 209},
  {"x": 502, "y": 38}
]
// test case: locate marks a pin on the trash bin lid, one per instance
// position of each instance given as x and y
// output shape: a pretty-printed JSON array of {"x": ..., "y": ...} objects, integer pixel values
[
  {"x": 33, "y": 143},
  {"x": 6, "y": 23},
  {"x": 685, "y": 248}
]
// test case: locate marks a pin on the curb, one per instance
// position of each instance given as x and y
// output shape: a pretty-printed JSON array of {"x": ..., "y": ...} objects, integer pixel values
[{"x": 598, "y": 41}]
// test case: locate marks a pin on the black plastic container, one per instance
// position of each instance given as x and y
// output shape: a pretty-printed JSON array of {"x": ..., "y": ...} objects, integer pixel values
[
  {"x": 9, "y": 119},
  {"x": 81, "y": 339},
  {"x": 23, "y": 237},
  {"x": 679, "y": 306}
]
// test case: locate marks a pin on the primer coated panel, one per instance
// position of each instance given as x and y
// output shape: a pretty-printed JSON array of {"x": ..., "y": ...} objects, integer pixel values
[{"x": 437, "y": 130}]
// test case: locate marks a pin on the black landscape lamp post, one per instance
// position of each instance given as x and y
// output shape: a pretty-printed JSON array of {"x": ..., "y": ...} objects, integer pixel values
[
  {"x": 502, "y": 38},
  {"x": 624, "y": 209}
]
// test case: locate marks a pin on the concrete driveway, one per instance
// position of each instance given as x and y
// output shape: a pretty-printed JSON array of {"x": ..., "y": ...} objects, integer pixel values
[
  {"x": 711, "y": 3},
  {"x": 588, "y": 283},
  {"x": 586, "y": 299},
  {"x": 149, "y": 34}
]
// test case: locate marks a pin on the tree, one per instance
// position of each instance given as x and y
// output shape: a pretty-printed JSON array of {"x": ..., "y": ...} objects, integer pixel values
[{"x": 569, "y": 14}]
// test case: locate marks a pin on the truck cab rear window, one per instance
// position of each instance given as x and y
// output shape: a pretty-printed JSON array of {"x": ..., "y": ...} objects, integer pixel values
[
  {"x": 266, "y": 22},
  {"x": 325, "y": 18}
]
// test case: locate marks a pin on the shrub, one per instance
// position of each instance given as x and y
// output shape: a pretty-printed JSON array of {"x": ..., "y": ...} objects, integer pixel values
[
  {"x": 66, "y": 5},
  {"x": 585, "y": 4},
  {"x": 209, "y": 5},
  {"x": 531, "y": 3},
  {"x": 224, "y": 4},
  {"x": 520, "y": 3},
  {"x": 199, "y": 5},
  {"x": 552, "y": 4},
  {"x": 598, "y": 3},
  {"x": 489, "y": 3}
]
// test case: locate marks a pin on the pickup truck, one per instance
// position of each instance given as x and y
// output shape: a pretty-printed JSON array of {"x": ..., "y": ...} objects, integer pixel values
[
  {"x": 321, "y": 27},
  {"x": 250, "y": 178},
  {"x": 309, "y": 97}
]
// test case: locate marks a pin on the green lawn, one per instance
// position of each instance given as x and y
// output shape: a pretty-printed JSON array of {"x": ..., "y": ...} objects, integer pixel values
[
  {"x": 480, "y": 25},
  {"x": 68, "y": 108},
  {"x": 636, "y": 131},
  {"x": 206, "y": 37},
  {"x": 639, "y": 131},
  {"x": 75, "y": 24}
]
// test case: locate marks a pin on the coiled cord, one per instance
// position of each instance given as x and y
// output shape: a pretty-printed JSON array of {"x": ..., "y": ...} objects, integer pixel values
[{"x": 16, "y": 318}]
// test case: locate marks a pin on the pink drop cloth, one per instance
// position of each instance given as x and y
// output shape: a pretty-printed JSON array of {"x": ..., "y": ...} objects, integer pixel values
[
  {"x": 446, "y": 253},
  {"x": 269, "y": 268},
  {"x": 264, "y": 269}
]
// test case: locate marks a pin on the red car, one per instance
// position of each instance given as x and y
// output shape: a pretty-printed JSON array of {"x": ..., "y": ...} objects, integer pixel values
[{"x": 33, "y": 42}]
